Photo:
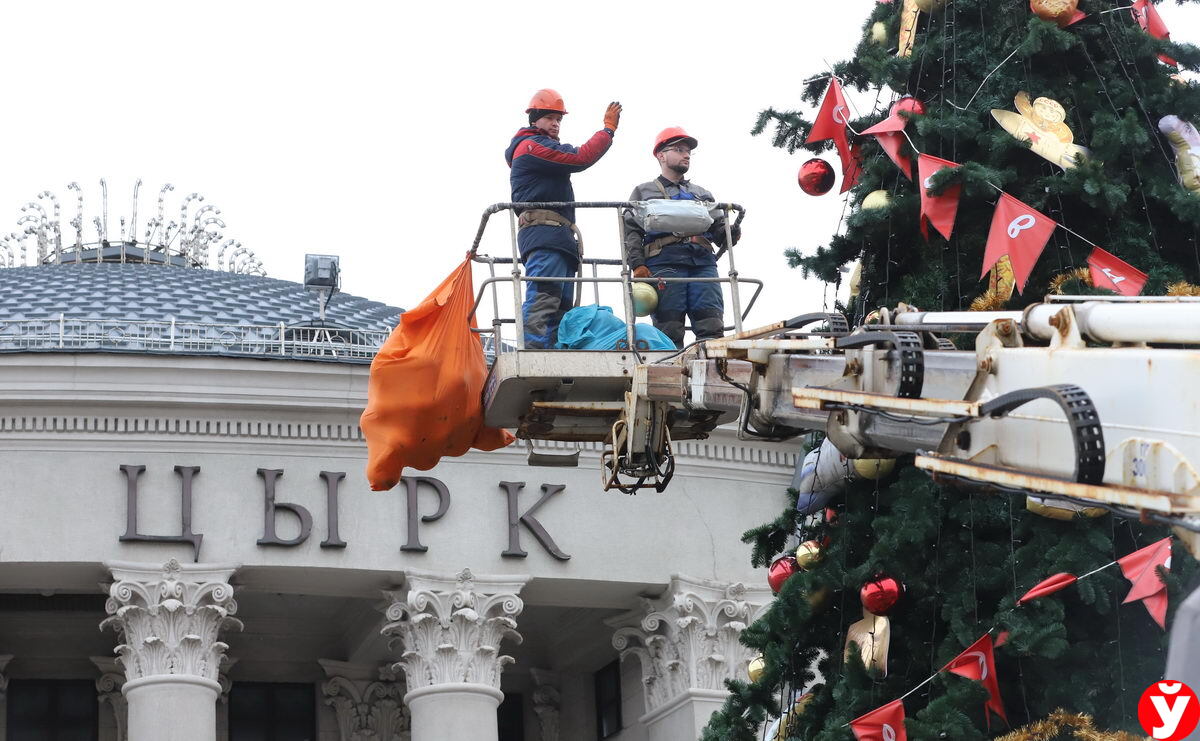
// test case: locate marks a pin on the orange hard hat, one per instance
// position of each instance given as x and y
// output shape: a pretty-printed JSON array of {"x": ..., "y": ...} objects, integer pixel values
[
  {"x": 673, "y": 134},
  {"x": 546, "y": 100}
]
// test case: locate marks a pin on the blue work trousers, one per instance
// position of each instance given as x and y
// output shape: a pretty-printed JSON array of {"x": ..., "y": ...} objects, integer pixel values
[
  {"x": 546, "y": 301},
  {"x": 700, "y": 302}
]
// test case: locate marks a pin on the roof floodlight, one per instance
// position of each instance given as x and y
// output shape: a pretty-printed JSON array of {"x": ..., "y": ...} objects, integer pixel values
[{"x": 321, "y": 274}]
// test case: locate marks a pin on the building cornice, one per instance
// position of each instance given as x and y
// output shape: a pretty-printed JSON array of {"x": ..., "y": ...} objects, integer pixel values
[{"x": 232, "y": 400}]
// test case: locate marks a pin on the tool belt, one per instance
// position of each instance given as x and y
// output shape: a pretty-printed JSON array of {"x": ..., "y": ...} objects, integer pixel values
[
  {"x": 546, "y": 217},
  {"x": 656, "y": 246}
]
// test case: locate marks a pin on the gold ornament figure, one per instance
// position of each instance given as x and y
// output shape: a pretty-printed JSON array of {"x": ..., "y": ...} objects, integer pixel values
[
  {"x": 873, "y": 634},
  {"x": 1042, "y": 123},
  {"x": 1186, "y": 143},
  {"x": 789, "y": 723},
  {"x": 856, "y": 279},
  {"x": 910, "y": 15},
  {"x": 1001, "y": 283}
]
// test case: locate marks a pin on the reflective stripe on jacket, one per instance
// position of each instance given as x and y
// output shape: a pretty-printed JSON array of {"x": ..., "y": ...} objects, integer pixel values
[{"x": 540, "y": 170}]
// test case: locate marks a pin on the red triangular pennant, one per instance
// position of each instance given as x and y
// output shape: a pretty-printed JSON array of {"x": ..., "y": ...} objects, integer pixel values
[
  {"x": 1048, "y": 586},
  {"x": 1110, "y": 271},
  {"x": 937, "y": 210},
  {"x": 979, "y": 663},
  {"x": 831, "y": 124},
  {"x": 1140, "y": 568},
  {"x": 882, "y": 724},
  {"x": 832, "y": 118},
  {"x": 1152, "y": 23},
  {"x": 891, "y": 143},
  {"x": 851, "y": 167},
  {"x": 888, "y": 132},
  {"x": 1021, "y": 233}
]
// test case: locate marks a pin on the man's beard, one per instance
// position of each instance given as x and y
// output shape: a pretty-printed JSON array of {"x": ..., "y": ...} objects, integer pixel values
[{"x": 680, "y": 169}]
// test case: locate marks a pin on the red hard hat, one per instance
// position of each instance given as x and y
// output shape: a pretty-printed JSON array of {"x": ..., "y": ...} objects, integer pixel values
[
  {"x": 671, "y": 134},
  {"x": 546, "y": 100}
]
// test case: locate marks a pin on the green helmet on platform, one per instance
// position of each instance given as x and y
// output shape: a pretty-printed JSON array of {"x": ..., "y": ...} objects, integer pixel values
[{"x": 645, "y": 299}]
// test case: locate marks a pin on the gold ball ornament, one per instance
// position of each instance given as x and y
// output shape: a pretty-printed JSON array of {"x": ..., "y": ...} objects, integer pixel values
[
  {"x": 819, "y": 598},
  {"x": 1059, "y": 12},
  {"x": 756, "y": 668},
  {"x": 879, "y": 33},
  {"x": 873, "y": 469},
  {"x": 928, "y": 6},
  {"x": 876, "y": 199},
  {"x": 809, "y": 554}
]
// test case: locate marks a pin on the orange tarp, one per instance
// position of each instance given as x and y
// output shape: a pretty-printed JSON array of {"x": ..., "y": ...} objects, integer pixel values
[{"x": 425, "y": 396}]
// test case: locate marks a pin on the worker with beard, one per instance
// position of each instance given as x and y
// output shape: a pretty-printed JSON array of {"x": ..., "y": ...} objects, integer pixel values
[
  {"x": 663, "y": 255},
  {"x": 548, "y": 240}
]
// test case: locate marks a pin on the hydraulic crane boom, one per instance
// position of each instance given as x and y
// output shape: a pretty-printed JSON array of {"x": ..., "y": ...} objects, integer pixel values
[
  {"x": 1086, "y": 401},
  {"x": 1039, "y": 405}
]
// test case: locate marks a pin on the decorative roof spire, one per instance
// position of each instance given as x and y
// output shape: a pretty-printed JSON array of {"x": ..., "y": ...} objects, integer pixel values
[{"x": 182, "y": 243}]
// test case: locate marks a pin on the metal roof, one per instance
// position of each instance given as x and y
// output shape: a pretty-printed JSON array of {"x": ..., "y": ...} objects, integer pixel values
[{"x": 137, "y": 307}]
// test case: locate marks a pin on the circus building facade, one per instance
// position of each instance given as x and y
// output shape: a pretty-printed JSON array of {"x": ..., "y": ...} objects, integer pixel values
[{"x": 189, "y": 549}]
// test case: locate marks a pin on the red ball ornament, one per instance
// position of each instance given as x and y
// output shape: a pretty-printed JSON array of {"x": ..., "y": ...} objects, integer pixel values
[
  {"x": 907, "y": 105},
  {"x": 816, "y": 177},
  {"x": 781, "y": 570},
  {"x": 880, "y": 595}
]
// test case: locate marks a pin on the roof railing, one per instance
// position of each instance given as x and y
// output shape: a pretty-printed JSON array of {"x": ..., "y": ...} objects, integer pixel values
[{"x": 175, "y": 336}]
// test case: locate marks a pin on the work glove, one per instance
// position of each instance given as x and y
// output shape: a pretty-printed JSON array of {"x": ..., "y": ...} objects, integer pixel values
[
  {"x": 735, "y": 231},
  {"x": 641, "y": 271},
  {"x": 612, "y": 116}
]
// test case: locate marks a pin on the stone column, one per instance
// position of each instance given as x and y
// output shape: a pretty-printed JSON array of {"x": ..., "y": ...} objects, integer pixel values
[
  {"x": 687, "y": 644},
  {"x": 547, "y": 702},
  {"x": 368, "y": 701},
  {"x": 169, "y": 619},
  {"x": 4, "y": 659},
  {"x": 451, "y": 628}
]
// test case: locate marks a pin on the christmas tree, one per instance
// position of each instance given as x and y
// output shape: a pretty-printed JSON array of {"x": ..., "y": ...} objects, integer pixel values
[{"x": 1066, "y": 112}]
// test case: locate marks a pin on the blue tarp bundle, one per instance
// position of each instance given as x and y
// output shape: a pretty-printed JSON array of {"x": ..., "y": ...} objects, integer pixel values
[{"x": 595, "y": 327}]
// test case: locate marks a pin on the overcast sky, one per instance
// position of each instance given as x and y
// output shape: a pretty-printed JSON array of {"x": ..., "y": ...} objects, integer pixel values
[{"x": 376, "y": 131}]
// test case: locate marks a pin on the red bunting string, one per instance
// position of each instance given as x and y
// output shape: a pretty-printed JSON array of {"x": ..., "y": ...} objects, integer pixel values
[
  {"x": 1024, "y": 243},
  {"x": 977, "y": 662},
  {"x": 1140, "y": 568}
]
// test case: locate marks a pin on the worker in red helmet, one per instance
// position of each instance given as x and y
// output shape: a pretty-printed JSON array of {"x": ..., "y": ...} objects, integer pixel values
[
  {"x": 664, "y": 255},
  {"x": 540, "y": 171}
]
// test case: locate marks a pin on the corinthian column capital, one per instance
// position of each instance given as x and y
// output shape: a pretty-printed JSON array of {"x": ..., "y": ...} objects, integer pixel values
[
  {"x": 108, "y": 692},
  {"x": 452, "y": 626},
  {"x": 169, "y": 617},
  {"x": 367, "y": 700},
  {"x": 688, "y": 639}
]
